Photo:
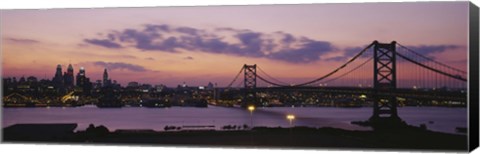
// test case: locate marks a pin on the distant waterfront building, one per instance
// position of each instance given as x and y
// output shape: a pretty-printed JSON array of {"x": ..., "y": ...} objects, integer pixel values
[
  {"x": 115, "y": 85},
  {"x": 210, "y": 86},
  {"x": 68, "y": 77},
  {"x": 7, "y": 85},
  {"x": 22, "y": 80},
  {"x": 83, "y": 83},
  {"x": 159, "y": 88},
  {"x": 46, "y": 85},
  {"x": 98, "y": 84},
  {"x": 81, "y": 77},
  {"x": 146, "y": 87},
  {"x": 58, "y": 78},
  {"x": 106, "y": 80},
  {"x": 133, "y": 84},
  {"x": 31, "y": 79},
  {"x": 22, "y": 84}
]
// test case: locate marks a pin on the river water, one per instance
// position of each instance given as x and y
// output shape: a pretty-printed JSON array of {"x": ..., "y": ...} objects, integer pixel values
[{"x": 436, "y": 118}]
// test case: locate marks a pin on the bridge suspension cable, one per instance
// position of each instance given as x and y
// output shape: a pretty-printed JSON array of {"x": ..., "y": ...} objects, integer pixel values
[
  {"x": 417, "y": 60},
  {"x": 432, "y": 60},
  {"x": 272, "y": 83},
  {"x": 240, "y": 84},
  {"x": 432, "y": 69},
  {"x": 235, "y": 79},
  {"x": 346, "y": 73},
  {"x": 269, "y": 76},
  {"x": 338, "y": 69}
]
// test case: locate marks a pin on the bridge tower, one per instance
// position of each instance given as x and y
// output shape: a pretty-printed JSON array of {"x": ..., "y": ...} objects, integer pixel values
[
  {"x": 384, "y": 81},
  {"x": 250, "y": 85}
]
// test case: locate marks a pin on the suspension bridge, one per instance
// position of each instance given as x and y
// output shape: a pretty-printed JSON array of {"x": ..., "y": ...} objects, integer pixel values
[{"x": 384, "y": 72}]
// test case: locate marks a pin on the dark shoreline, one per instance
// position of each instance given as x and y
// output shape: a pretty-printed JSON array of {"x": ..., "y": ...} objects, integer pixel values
[{"x": 259, "y": 137}]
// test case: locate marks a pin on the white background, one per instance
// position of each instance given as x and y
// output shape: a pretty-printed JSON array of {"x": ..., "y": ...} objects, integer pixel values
[{"x": 84, "y": 149}]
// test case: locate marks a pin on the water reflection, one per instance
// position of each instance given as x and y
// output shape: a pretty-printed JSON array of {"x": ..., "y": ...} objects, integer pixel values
[{"x": 435, "y": 118}]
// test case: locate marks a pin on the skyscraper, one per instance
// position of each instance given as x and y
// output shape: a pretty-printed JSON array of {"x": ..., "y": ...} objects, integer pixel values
[
  {"x": 106, "y": 81},
  {"x": 81, "y": 77},
  {"x": 68, "y": 77},
  {"x": 83, "y": 82},
  {"x": 58, "y": 78}
]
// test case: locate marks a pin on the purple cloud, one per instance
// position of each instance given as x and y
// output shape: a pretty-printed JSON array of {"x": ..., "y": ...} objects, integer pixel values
[
  {"x": 128, "y": 56},
  {"x": 120, "y": 66},
  {"x": 154, "y": 28},
  {"x": 426, "y": 50},
  {"x": 149, "y": 58},
  {"x": 309, "y": 51},
  {"x": 188, "y": 30},
  {"x": 25, "y": 41},
  {"x": 104, "y": 43},
  {"x": 279, "y": 46},
  {"x": 430, "y": 49}
]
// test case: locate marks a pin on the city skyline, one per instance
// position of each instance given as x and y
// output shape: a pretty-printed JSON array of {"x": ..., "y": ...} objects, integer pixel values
[
  {"x": 387, "y": 75},
  {"x": 171, "y": 46}
]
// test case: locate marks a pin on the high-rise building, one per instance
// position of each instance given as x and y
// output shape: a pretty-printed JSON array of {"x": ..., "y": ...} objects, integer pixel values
[
  {"x": 32, "y": 79},
  {"x": 133, "y": 84},
  {"x": 210, "y": 86},
  {"x": 22, "y": 80},
  {"x": 159, "y": 88},
  {"x": 68, "y": 77},
  {"x": 97, "y": 84},
  {"x": 83, "y": 82},
  {"x": 81, "y": 77},
  {"x": 106, "y": 81},
  {"x": 58, "y": 78}
]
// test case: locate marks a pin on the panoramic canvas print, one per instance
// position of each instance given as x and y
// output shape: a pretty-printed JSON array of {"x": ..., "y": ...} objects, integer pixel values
[{"x": 359, "y": 75}]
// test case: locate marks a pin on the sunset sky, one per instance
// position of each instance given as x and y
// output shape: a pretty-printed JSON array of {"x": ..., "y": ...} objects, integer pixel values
[{"x": 170, "y": 45}]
